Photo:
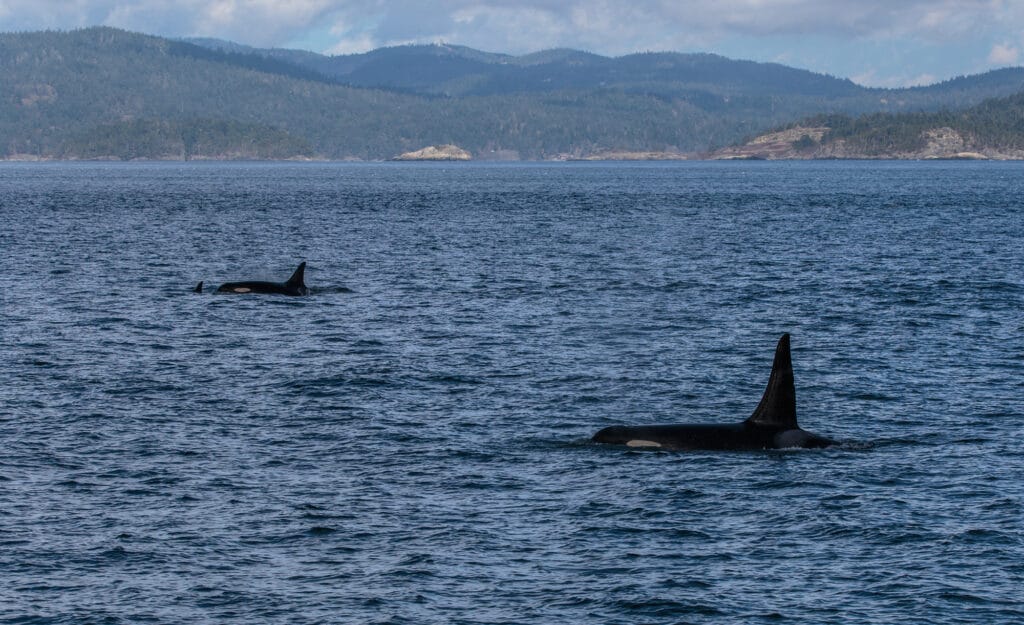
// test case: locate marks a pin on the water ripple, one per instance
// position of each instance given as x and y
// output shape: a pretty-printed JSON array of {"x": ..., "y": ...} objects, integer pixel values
[{"x": 410, "y": 443}]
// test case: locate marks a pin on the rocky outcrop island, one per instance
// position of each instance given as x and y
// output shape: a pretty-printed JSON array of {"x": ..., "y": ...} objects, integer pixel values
[{"x": 436, "y": 153}]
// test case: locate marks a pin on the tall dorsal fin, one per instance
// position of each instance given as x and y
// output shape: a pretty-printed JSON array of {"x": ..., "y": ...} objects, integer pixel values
[
  {"x": 778, "y": 404},
  {"x": 298, "y": 278},
  {"x": 199, "y": 287}
]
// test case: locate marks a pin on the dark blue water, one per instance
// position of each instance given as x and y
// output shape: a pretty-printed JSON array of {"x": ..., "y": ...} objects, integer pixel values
[{"x": 409, "y": 443}]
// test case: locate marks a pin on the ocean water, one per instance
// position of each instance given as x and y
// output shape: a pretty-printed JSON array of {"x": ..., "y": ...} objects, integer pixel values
[{"x": 409, "y": 444}]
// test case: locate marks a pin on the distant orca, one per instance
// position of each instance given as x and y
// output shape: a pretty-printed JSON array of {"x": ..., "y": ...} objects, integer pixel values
[
  {"x": 293, "y": 286},
  {"x": 772, "y": 426}
]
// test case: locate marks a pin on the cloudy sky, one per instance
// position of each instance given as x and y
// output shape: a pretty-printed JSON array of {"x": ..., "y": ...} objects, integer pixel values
[{"x": 874, "y": 42}]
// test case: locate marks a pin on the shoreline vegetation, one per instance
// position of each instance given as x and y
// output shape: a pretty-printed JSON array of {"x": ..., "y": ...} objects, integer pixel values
[
  {"x": 797, "y": 142},
  {"x": 103, "y": 94},
  {"x": 960, "y": 156},
  {"x": 788, "y": 145}
]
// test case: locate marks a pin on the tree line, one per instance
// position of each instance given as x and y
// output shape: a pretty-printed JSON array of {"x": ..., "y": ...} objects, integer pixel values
[{"x": 107, "y": 93}]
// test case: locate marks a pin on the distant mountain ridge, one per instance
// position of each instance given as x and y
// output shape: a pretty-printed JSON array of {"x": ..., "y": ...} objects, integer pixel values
[
  {"x": 107, "y": 93},
  {"x": 460, "y": 71}
]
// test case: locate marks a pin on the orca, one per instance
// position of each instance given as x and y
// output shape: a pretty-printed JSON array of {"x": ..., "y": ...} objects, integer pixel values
[
  {"x": 772, "y": 425},
  {"x": 294, "y": 285}
]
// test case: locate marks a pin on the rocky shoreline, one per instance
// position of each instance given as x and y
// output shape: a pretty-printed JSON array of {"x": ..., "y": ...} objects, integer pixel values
[
  {"x": 446, "y": 152},
  {"x": 810, "y": 143},
  {"x": 797, "y": 143}
]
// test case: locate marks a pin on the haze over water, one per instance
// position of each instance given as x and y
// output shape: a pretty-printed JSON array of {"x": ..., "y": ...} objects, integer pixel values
[{"x": 409, "y": 444}]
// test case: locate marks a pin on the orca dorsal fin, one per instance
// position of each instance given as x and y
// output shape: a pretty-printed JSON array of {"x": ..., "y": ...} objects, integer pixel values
[
  {"x": 299, "y": 277},
  {"x": 778, "y": 404},
  {"x": 199, "y": 287}
]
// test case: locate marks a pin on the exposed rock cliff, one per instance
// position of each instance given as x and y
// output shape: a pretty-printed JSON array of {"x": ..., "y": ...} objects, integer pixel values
[
  {"x": 796, "y": 142},
  {"x": 436, "y": 153},
  {"x": 801, "y": 142}
]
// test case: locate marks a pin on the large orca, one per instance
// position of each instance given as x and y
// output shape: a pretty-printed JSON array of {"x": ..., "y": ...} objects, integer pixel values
[
  {"x": 772, "y": 426},
  {"x": 294, "y": 285}
]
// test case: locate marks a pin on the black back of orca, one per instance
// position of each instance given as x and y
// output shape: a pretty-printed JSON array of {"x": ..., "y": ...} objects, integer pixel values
[
  {"x": 294, "y": 285},
  {"x": 772, "y": 425}
]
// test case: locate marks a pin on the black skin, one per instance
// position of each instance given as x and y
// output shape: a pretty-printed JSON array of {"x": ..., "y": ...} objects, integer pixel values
[
  {"x": 293, "y": 286},
  {"x": 278, "y": 288},
  {"x": 772, "y": 426}
]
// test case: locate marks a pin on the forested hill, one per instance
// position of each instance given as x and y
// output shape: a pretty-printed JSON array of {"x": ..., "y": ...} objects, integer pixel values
[
  {"x": 458, "y": 71},
  {"x": 107, "y": 93},
  {"x": 993, "y": 129}
]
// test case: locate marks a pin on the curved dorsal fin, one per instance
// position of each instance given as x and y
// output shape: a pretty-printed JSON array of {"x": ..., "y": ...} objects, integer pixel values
[
  {"x": 778, "y": 404},
  {"x": 199, "y": 287},
  {"x": 298, "y": 278}
]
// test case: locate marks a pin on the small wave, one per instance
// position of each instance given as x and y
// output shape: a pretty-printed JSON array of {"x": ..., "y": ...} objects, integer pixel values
[
  {"x": 987, "y": 537},
  {"x": 841, "y": 497},
  {"x": 892, "y": 442},
  {"x": 331, "y": 385},
  {"x": 320, "y": 530},
  {"x": 105, "y": 320},
  {"x": 329, "y": 290},
  {"x": 667, "y": 608},
  {"x": 992, "y": 286},
  {"x": 453, "y": 379},
  {"x": 870, "y": 397},
  {"x": 76, "y": 485},
  {"x": 691, "y": 584},
  {"x": 688, "y": 533},
  {"x": 117, "y": 553},
  {"x": 315, "y": 516},
  {"x": 960, "y": 596},
  {"x": 163, "y": 480},
  {"x": 847, "y": 445}
]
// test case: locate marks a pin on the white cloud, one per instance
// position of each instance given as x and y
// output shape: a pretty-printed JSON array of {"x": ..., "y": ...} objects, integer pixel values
[
  {"x": 873, "y": 78},
  {"x": 1004, "y": 54},
  {"x": 352, "y": 45},
  {"x": 258, "y": 22},
  {"x": 615, "y": 27},
  {"x": 503, "y": 28},
  {"x": 921, "y": 80},
  {"x": 605, "y": 25},
  {"x": 866, "y": 78},
  {"x": 889, "y": 35}
]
